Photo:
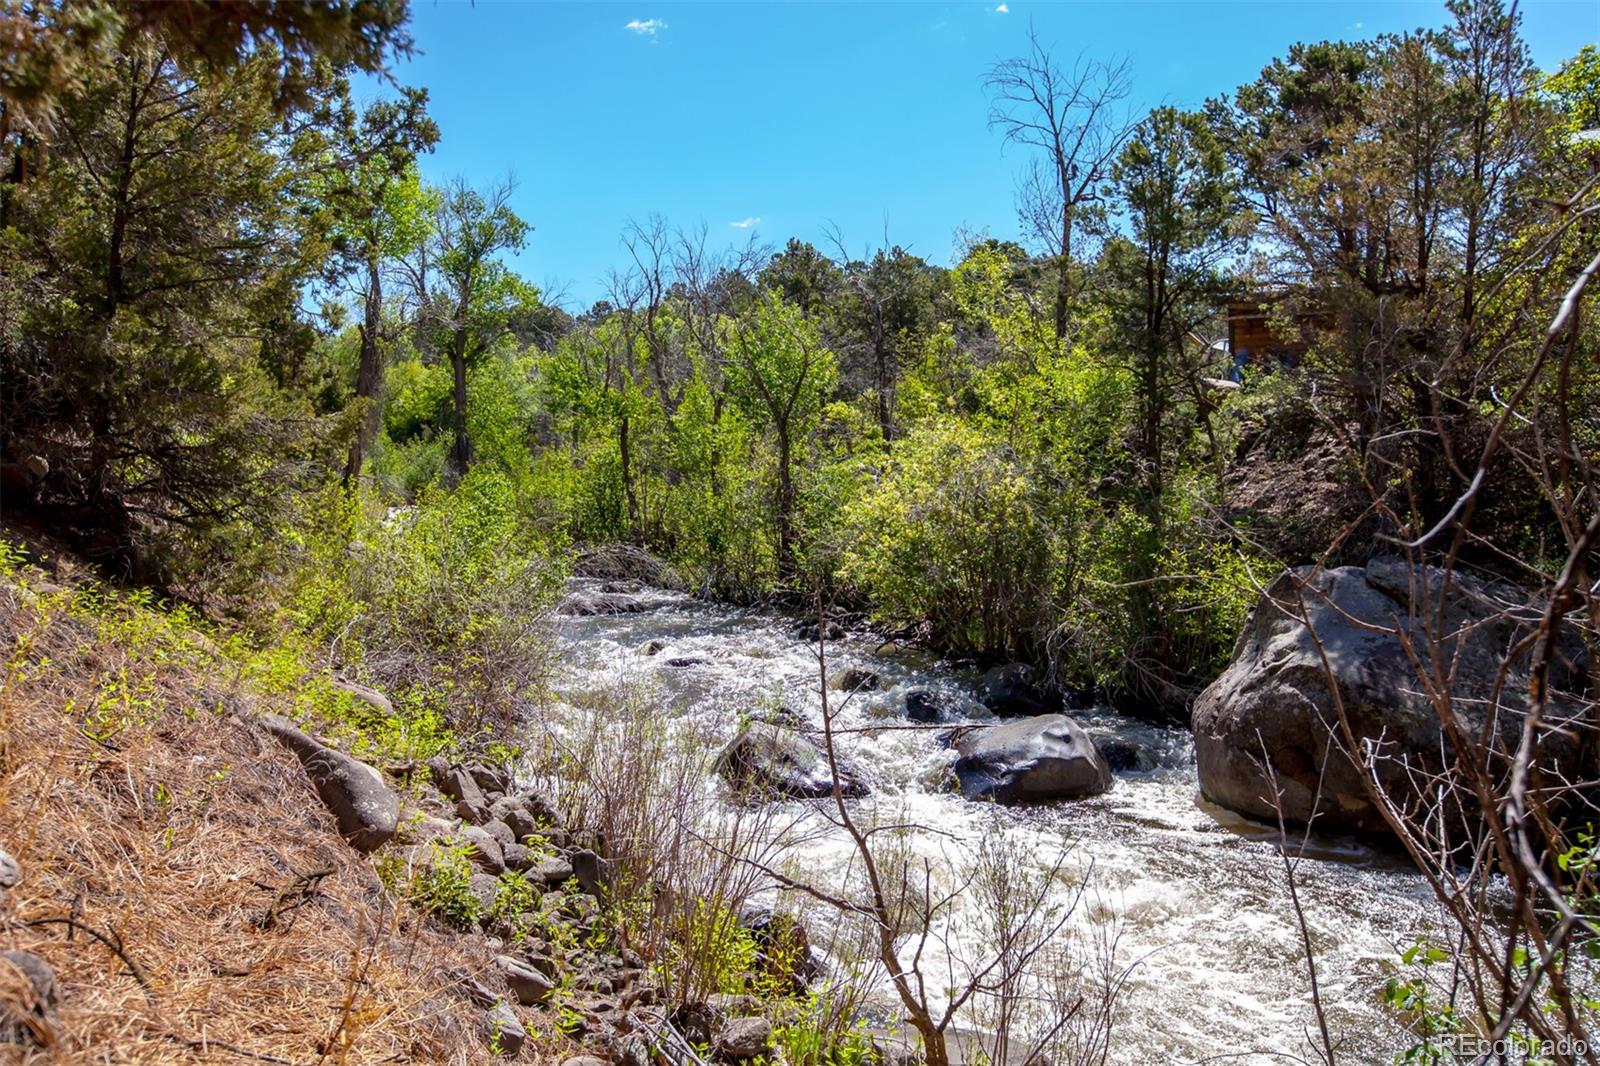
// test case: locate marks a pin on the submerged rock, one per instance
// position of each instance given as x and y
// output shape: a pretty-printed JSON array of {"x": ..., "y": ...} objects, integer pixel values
[
  {"x": 855, "y": 679},
  {"x": 769, "y": 760},
  {"x": 925, "y": 705},
  {"x": 1045, "y": 758},
  {"x": 1273, "y": 702}
]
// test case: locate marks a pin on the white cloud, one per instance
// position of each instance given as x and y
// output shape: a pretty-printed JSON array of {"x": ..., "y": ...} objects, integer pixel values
[
  {"x": 1002, "y": 9},
  {"x": 746, "y": 223},
  {"x": 646, "y": 27}
]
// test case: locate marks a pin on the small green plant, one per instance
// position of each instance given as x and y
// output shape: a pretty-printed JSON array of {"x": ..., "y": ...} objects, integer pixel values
[
  {"x": 1431, "y": 1018},
  {"x": 443, "y": 886},
  {"x": 516, "y": 904},
  {"x": 815, "y": 1036}
]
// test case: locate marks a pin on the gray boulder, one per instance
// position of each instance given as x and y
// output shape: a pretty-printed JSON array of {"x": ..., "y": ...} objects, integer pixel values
[
  {"x": 771, "y": 761},
  {"x": 550, "y": 870},
  {"x": 744, "y": 1038},
  {"x": 1048, "y": 757},
  {"x": 31, "y": 1020},
  {"x": 527, "y": 984},
  {"x": 1274, "y": 702},
  {"x": 505, "y": 1032},
  {"x": 364, "y": 806},
  {"x": 490, "y": 778},
  {"x": 1012, "y": 689},
  {"x": 456, "y": 783},
  {"x": 486, "y": 851}
]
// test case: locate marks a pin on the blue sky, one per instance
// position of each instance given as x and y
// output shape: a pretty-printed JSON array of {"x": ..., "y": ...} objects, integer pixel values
[{"x": 779, "y": 119}]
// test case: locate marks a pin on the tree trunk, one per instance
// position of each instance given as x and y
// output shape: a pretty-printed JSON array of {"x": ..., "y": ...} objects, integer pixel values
[
  {"x": 369, "y": 378},
  {"x": 461, "y": 453},
  {"x": 880, "y": 355},
  {"x": 624, "y": 449},
  {"x": 785, "y": 506},
  {"x": 1063, "y": 273}
]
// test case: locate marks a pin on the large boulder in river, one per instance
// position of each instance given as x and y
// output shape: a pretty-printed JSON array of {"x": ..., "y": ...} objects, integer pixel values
[
  {"x": 767, "y": 760},
  {"x": 1274, "y": 703},
  {"x": 587, "y": 602},
  {"x": 1048, "y": 757}
]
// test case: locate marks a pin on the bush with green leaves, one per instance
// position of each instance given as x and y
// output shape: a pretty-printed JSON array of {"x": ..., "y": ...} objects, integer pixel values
[{"x": 443, "y": 603}]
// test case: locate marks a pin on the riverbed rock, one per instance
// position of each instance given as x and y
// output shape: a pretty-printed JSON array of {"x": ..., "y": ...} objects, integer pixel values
[
  {"x": 31, "y": 1019},
  {"x": 1012, "y": 689},
  {"x": 925, "y": 705},
  {"x": 773, "y": 762},
  {"x": 1123, "y": 754},
  {"x": 744, "y": 1038},
  {"x": 855, "y": 679},
  {"x": 1037, "y": 760},
  {"x": 506, "y": 1034},
  {"x": 364, "y": 806},
  {"x": 1273, "y": 701},
  {"x": 808, "y": 630},
  {"x": 684, "y": 662},
  {"x": 590, "y": 602}
]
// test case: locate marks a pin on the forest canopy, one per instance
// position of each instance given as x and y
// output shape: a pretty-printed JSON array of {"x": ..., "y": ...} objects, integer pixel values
[{"x": 235, "y": 320}]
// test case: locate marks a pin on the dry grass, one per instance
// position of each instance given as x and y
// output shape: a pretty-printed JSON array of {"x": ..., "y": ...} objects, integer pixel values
[{"x": 180, "y": 875}]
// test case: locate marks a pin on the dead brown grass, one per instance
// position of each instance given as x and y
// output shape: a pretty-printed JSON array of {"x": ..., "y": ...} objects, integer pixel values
[{"x": 179, "y": 873}]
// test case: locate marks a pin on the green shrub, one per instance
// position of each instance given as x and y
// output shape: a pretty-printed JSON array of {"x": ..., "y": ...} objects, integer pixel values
[
  {"x": 442, "y": 887},
  {"x": 441, "y": 604}
]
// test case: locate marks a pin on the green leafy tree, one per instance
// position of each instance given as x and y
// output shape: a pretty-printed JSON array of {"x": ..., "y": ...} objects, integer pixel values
[
  {"x": 379, "y": 213},
  {"x": 469, "y": 296},
  {"x": 779, "y": 369}
]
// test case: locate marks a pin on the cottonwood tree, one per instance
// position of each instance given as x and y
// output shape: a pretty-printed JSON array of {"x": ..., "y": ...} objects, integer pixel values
[
  {"x": 469, "y": 296},
  {"x": 779, "y": 368},
  {"x": 379, "y": 213},
  {"x": 1076, "y": 120}
]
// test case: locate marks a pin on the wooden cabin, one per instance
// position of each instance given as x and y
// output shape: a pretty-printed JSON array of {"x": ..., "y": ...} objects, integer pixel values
[{"x": 1252, "y": 339}]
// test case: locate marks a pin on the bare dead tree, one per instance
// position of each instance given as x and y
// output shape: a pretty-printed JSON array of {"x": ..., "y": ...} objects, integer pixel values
[{"x": 1076, "y": 120}]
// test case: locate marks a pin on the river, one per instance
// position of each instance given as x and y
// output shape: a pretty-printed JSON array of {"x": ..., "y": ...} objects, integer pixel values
[{"x": 1197, "y": 895}]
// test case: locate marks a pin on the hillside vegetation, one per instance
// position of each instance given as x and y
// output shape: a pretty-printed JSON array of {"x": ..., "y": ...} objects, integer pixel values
[{"x": 278, "y": 418}]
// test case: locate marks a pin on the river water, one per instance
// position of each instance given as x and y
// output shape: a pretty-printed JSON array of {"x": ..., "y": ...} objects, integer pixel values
[{"x": 1197, "y": 895}]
